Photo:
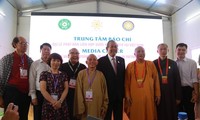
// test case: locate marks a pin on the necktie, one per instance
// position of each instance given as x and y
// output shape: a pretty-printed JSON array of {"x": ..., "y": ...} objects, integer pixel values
[{"x": 114, "y": 65}]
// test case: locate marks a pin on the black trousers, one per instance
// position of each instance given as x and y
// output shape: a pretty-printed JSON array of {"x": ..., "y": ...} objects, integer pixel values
[
  {"x": 117, "y": 108},
  {"x": 37, "y": 109},
  {"x": 70, "y": 103},
  {"x": 186, "y": 105},
  {"x": 22, "y": 100}
]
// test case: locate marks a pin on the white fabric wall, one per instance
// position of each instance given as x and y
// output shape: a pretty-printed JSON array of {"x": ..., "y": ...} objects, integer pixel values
[
  {"x": 8, "y": 25},
  {"x": 187, "y": 31}
]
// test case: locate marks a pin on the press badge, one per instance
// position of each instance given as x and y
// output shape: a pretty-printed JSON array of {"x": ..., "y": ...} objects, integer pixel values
[
  {"x": 164, "y": 80},
  {"x": 88, "y": 96},
  {"x": 23, "y": 73},
  {"x": 54, "y": 96},
  {"x": 72, "y": 83},
  {"x": 140, "y": 83}
]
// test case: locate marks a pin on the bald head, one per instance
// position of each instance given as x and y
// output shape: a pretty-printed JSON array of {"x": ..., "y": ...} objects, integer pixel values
[
  {"x": 139, "y": 53},
  {"x": 73, "y": 55},
  {"x": 73, "y": 50},
  {"x": 91, "y": 56},
  {"x": 92, "y": 62},
  {"x": 139, "y": 48}
]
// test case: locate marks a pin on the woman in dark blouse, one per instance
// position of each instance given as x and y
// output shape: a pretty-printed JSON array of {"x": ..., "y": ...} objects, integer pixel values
[{"x": 54, "y": 88}]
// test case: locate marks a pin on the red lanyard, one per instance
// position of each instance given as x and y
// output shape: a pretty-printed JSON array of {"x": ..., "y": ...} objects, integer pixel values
[
  {"x": 143, "y": 73},
  {"x": 160, "y": 67}
]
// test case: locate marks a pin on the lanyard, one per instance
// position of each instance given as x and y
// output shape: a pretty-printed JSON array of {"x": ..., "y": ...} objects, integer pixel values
[
  {"x": 22, "y": 60},
  {"x": 73, "y": 69},
  {"x": 55, "y": 81},
  {"x": 90, "y": 81},
  {"x": 143, "y": 73},
  {"x": 160, "y": 67}
]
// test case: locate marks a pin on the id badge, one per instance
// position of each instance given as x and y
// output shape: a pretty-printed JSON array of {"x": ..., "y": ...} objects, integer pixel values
[
  {"x": 23, "y": 73},
  {"x": 140, "y": 83},
  {"x": 54, "y": 96},
  {"x": 88, "y": 96},
  {"x": 164, "y": 80},
  {"x": 72, "y": 83}
]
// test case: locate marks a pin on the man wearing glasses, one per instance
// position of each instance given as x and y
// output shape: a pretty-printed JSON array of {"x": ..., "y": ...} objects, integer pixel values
[
  {"x": 14, "y": 85},
  {"x": 72, "y": 68}
]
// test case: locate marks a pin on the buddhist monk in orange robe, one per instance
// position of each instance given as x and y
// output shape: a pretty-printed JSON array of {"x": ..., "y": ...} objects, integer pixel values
[{"x": 142, "y": 88}]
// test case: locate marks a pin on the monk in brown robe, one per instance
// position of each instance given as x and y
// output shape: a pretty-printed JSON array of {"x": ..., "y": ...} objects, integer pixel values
[
  {"x": 142, "y": 88},
  {"x": 91, "y": 97}
]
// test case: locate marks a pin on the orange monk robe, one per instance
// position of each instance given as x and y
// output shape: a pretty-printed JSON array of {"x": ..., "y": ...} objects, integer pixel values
[{"x": 143, "y": 105}]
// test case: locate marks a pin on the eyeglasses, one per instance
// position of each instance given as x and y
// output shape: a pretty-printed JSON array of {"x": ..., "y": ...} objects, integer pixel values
[
  {"x": 23, "y": 43},
  {"x": 74, "y": 53}
]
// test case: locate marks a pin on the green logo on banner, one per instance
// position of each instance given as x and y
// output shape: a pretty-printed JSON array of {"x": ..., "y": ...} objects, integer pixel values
[{"x": 64, "y": 24}]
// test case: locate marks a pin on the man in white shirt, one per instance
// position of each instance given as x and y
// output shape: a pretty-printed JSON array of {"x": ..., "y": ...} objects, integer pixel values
[
  {"x": 190, "y": 86},
  {"x": 36, "y": 68}
]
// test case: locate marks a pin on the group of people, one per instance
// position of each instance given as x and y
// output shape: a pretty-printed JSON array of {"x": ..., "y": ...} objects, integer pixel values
[{"x": 145, "y": 90}]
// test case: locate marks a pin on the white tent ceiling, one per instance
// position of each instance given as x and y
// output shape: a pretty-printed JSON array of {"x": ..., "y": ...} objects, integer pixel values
[{"x": 162, "y": 7}]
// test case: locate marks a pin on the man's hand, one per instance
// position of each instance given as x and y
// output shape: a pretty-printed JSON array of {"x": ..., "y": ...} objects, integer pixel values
[
  {"x": 178, "y": 102},
  {"x": 157, "y": 100},
  {"x": 103, "y": 113},
  {"x": 128, "y": 101},
  {"x": 34, "y": 101},
  {"x": 11, "y": 113}
]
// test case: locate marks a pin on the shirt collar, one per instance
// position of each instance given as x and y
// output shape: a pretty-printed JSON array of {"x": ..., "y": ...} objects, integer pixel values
[
  {"x": 41, "y": 61},
  {"x": 110, "y": 58},
  {"x": 72, "y": 64},
  {"x": 185, "y": 59}
]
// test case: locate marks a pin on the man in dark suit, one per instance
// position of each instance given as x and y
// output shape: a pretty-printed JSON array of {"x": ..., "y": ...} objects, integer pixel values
[{"x": 113, "y": 68}]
